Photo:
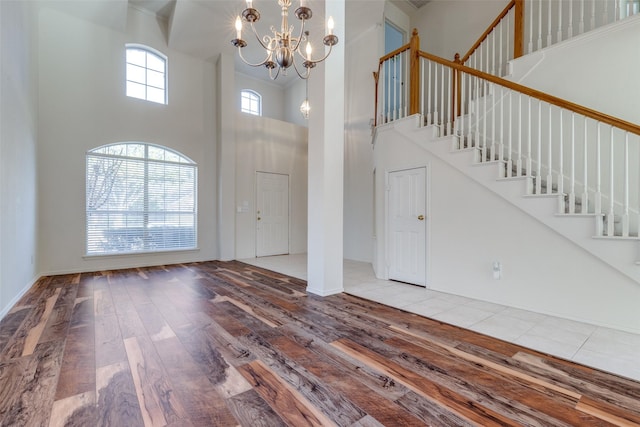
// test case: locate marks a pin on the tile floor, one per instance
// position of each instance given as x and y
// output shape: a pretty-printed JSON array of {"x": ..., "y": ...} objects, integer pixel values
[{"x": 607, "y": 349}]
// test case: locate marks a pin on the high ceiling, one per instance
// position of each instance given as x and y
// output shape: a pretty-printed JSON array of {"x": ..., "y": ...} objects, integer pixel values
[{"x": 204, "y": 28}]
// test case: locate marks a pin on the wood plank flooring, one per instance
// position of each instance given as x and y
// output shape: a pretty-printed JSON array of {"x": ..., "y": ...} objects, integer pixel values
[{"x": 227, "y": 344}]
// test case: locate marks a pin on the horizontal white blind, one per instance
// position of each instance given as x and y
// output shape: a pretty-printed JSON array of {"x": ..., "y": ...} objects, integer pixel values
[{"x": 138, "y": 201}]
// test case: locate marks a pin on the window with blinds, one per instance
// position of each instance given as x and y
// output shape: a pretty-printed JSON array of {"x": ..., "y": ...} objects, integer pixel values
[{"x": 140, "y": 198}]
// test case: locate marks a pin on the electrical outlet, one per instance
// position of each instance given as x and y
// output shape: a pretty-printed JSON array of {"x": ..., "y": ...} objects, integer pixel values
[{"x": 497, "y": 270}]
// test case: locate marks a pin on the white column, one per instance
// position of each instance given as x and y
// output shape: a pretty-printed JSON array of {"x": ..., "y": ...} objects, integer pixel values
[
  {"x": 226, "y": 155},
  {"x": 326, "y": 165}
]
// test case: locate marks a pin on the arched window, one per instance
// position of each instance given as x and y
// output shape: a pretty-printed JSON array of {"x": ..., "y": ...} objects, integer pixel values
[
  {"x": 146, "y": 74},
  {"x": 140, "y": 198},
  {"x": 251, "y": 102}
]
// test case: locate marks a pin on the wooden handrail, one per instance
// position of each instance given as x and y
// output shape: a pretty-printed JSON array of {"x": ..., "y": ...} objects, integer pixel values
[
  {"x": 494, "y": 24},
  {"x": 542, "y": 96},
  {"x": 398, "y": 51}
]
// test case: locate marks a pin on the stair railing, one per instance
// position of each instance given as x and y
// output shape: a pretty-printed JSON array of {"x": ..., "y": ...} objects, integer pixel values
[
  {"x": 501, "y": 42},
  {"x": 542, "y": 23},
  {"x": 562, "y": 148}
]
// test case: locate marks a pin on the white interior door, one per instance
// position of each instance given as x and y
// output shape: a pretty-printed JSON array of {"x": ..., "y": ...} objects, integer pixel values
[
  {"x": 272, "y": 214},
  {"x": 406, "y": 223}
]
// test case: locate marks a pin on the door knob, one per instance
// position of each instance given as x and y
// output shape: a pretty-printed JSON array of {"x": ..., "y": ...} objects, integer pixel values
[{"x": 421, "y": 217}]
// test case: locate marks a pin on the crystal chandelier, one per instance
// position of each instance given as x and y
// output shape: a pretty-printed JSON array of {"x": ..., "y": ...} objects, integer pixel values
[{"x": 283, "y": 46}]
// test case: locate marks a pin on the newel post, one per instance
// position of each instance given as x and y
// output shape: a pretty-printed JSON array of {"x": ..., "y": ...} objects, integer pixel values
[
  {"x": 518, "y": 29},
  {"x": 376, "y": 75},
  {"x": 414, "y": 73}
]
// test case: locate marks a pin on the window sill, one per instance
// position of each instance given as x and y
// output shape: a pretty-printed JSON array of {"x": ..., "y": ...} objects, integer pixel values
[{"x": 138, "y": 254}]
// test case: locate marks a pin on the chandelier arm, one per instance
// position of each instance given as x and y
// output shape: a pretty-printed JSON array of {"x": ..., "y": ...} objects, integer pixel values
[
  {"x": 315, "y": 61},
  {"x": 271, "y": 76},
  {"x": 299, "y": 39},
  {"x": 264, "y": 46},
  {"x": 303, "y": 77},
  {"x": 251, "y": 64}
]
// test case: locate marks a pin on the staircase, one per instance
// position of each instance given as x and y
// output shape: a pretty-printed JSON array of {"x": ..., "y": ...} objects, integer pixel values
[
  {"x": 549, "y": 206},
  {"x": 569, "y": 166}
]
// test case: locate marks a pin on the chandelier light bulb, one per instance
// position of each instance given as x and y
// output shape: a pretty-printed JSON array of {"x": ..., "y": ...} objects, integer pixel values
[
  {"x": 308, "y": 50},
  {"x": 239, "y": 28},
  {"x": 249, "y": 4},
  {"x": 330, "y": 25}
]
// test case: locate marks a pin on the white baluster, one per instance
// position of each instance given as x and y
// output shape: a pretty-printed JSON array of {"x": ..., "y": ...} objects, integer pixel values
[
  {"x": 405, "y": 76},
  {"x": 561, "y": 163},
  {"x": 528, "y": 158},
  {"x": 429, "y": 97},
  {"x": 581, "y": 24},
  {"x": 494, "y": 55},
  {"x": 539, "y": 159},
  {"x": 597, "y": 200},
  {"x": 443, "y": 112},
  {"x": 450, "y": 112},
  {"x": 597, "y": 197},
  {"x": 616, "y": 11},
  {"x": 572, "y": 176},
  {"x": 477, "y": 114},
  {"x": 550, "y": 153},
  {"x": 519, "y": 131},
  {"x": 570, "y": 27},
  {"x": 605, "y": 15},
  {"x": 483, "y": 142},
  {"x": 502, "y": 141},
  {"x": 549, "y": 23},
  {"x": 493, "y": 122},
  {"x": 501, "y": 67},
  {"x": 530, "y": 47},
  {"x": 611, "y": 214},
  {"x": 436, "y": 113},
  {"x": 625, "y": 188},
  {"x": 422, "y": 85},
  {"x": 463, "y": 102},
  {"x": 509, "y": 52},
  {"x": 510, "y": 136},
  {"x": 585, "y": 168},
  {"x": 559, "y": 34},
  {"x": 539, "y": 26},
  {"x": 388, "y": 83}
]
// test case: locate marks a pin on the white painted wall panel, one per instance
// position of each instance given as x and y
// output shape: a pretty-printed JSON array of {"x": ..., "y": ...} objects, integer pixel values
[{"x": 18, "y": 145}]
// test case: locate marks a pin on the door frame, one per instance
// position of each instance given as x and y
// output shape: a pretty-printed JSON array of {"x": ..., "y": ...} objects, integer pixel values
[
  {"x": 255, "y": 216},
  {"x": 427, "y": 228}
]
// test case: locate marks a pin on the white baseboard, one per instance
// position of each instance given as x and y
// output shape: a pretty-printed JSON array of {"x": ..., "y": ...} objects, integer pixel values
[{"x": 6, "y": 309}]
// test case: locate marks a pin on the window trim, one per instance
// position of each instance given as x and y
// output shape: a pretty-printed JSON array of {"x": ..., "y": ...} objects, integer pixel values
[
  {"x": 148, "y": 51},
  {"x": 146, "y": 212},
  {"x": 252, "y": 93}
]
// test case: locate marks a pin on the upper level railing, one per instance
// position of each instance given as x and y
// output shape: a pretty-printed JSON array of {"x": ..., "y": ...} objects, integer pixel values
[
  {"x": 564, "y": 147},
  {"x": 525, "y": 26}
]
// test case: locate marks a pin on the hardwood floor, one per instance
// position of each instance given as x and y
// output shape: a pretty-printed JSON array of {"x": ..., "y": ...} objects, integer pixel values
[{"x": 225, "y": 343}]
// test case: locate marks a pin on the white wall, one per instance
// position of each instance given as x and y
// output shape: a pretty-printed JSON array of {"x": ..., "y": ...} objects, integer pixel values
[
  {"x": 18, "y": 136},
  {"x": 294, "y": 95},
  {"x": 83, "y": 105},
  {"x": 469, "y": 227},
  {"x": 362, "y": 54},
  {"x": 272, "y": 95},
  {"x": 450, "y": 27},
  {"x": 267, "y": 145},
  {"x": 602, "y": 65}
]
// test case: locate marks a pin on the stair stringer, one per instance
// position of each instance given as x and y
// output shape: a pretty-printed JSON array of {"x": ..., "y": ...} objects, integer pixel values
[{"x": 618, "y": 252}]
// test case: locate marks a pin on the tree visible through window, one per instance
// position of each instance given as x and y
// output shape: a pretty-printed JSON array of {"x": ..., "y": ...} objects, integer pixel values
[
  {"x": 146, "y": 74},
  {"x": 251, "y": 102},
  {"x": 140, "y": 198}
]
